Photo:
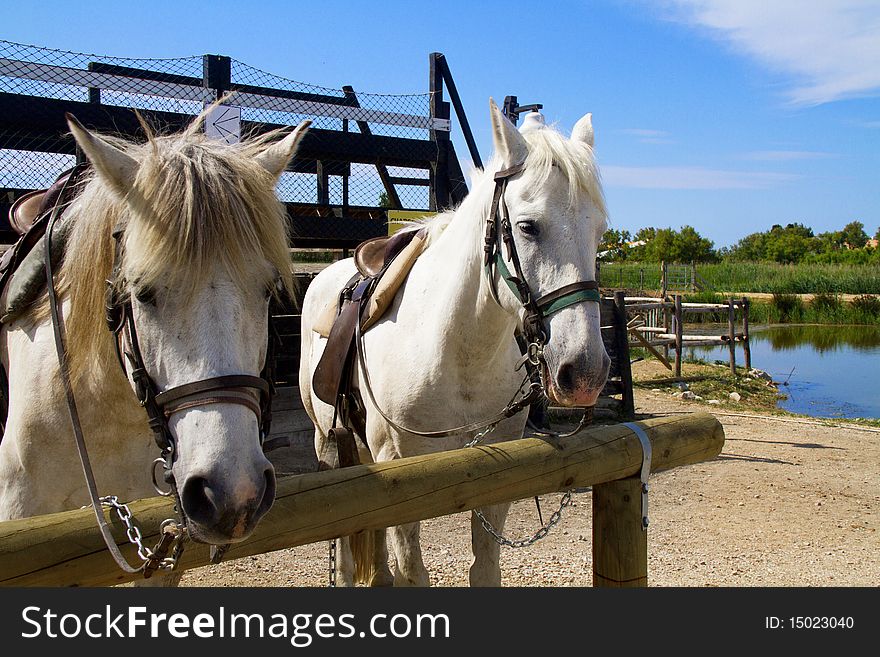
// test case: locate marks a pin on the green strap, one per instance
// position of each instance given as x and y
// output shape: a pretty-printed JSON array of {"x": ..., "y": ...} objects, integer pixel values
[
  {"x": 506, "y": 275},
  {"x": 569, "y": 300},
  {"x": 549, "y": 308}
]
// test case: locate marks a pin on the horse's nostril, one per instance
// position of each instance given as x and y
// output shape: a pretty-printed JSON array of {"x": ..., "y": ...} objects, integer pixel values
[
  {"x": 268, "y": 492},
  {"x": 200, "y": 501},
  {"x": 567, "y": 376}
]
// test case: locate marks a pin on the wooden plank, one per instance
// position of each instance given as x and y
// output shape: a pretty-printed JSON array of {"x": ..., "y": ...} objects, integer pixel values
[
  {"x": 647, "y": 345},
  {"x": 66, "y": 549}
]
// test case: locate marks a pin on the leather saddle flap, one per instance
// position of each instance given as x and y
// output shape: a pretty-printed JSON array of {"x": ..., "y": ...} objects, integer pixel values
[
  {"x": 331, "y": 368},
  {"x": 393, "y": 277}
]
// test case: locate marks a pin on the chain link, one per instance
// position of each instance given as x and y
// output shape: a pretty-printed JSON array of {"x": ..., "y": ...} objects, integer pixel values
[
  {"x": 133, "y": 533},
  {"x": 526, "y": 542},
  {"x": 331, "y": 556}
]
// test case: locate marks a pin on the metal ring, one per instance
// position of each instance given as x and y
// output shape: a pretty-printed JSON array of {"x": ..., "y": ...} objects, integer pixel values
[{"x": 161, "y": 492}]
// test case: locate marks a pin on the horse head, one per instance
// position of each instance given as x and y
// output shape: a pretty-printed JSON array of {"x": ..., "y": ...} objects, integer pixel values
[
  {"x": 556, "y": 215},
  {"x": 200, "y": 248}
]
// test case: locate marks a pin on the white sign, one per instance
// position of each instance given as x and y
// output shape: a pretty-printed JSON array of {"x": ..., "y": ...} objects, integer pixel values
[{"x": 224, "y": 122}]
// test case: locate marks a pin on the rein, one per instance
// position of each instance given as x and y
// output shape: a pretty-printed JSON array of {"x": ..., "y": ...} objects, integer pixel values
[
  {"x": 255, "y": 393},
  {"x": 534, "y": 335}
]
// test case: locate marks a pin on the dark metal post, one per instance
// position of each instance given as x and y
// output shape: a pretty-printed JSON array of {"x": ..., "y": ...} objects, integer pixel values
[
  {"x": 438, "y": 174},
  {"x": 509, "y": 109},
  {"x": 443, "y": 67},
  {"x": 217, "y": 74}
]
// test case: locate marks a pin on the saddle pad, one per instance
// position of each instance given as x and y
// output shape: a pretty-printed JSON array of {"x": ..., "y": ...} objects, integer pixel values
[
  {"x": 386, "y": 288},
  {"x": 26, "y": 281}
]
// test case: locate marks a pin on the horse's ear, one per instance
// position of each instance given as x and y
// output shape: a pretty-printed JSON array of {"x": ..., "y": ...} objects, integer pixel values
[
  {"x": 277, "y": 156},
  {"x": 117, "y": 168},
  {"x": 583, "y": 130},
  {"x": 509, "y": 143}
]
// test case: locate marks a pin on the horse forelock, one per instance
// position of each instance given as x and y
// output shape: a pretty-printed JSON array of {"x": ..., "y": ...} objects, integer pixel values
[
  {"x": 548, "y": 149},
  {"x": 195, "y": 205},
  {"x": 574, "y": 159}
]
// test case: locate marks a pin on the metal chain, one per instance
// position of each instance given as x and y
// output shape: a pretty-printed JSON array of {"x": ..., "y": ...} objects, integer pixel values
[
  {"x": 526, "y": 542},
  {"x": 148, "y": 556},
  {"x": 331, "y": 556}
]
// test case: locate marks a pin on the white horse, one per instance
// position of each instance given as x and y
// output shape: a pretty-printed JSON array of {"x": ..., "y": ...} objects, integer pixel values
[
  {"x": 195, "y": 241},
  {"x": 444, "y": 355}
]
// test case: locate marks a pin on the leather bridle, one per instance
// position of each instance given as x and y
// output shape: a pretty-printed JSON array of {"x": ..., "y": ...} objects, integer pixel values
[
  {"x": 255, "y": 393},
  {"x": 252, "y": 392},
  {"x": 535, "y": 331}
]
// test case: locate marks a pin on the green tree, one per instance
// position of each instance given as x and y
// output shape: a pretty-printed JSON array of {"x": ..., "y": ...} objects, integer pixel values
[
  {"x": 615, "y": 245},
  {"x": 854, "y": 235}
]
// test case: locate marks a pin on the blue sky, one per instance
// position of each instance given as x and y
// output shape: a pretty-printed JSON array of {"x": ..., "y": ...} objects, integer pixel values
[{"x": 726, "y": 115}]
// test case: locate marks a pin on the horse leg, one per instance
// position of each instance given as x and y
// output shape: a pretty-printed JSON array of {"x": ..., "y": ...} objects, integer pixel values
[
  {"x": 381, "y": 573},
  {"x": 410, "y": 569},
  {"x": 486, "y": 568}
]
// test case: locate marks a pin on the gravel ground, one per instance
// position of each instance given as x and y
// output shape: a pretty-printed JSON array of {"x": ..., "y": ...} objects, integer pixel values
[{"x": 784, "y": 504}]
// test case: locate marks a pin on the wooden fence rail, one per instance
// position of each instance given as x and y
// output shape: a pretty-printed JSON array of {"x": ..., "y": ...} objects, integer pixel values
[{"x": 65, "y": 549}]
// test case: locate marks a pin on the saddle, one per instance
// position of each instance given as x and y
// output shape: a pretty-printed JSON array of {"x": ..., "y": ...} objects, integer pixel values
[
  {"x": 22, "y": 267},
  {"x": 22, "y": 271},
  {"x": 383, "y": 264}
]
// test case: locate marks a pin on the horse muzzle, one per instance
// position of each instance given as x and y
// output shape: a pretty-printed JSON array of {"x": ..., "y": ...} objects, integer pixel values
[
  {"x": 221, "y": 511},
  {"x": 577, "y": 384}
]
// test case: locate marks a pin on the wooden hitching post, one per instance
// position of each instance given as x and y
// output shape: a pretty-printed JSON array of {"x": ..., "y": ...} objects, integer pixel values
[{"x": 620, "y": 544}]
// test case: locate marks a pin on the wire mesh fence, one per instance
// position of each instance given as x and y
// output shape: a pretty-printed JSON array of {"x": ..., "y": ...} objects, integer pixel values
[{"x": 377, "y": 151}]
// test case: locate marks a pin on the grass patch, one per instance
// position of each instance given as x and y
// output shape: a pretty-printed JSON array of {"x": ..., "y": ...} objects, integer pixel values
[{"x": 714, "y": 382}]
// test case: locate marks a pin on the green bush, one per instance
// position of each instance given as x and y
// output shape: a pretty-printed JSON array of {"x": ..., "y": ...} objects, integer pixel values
[
  {"x": 787, "y": 308},
  {"x": 867, "y": 304}
]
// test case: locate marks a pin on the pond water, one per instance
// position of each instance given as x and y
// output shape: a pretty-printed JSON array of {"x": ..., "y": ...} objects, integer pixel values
[{"x": 826, "y": 371}]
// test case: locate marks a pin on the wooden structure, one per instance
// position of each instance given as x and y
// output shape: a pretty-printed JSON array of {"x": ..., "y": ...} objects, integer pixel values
[
  {"x": 365, "y": 153},
  {"x": 66, "y": 549},
  {"x": 660, "y": 323}
]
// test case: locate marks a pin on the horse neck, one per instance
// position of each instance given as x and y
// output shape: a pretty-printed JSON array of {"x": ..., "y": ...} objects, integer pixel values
[{"x": 460, "y": 293}]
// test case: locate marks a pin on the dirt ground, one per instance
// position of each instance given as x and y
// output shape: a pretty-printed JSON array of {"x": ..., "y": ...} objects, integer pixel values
[{"x": 788, "y": 502}]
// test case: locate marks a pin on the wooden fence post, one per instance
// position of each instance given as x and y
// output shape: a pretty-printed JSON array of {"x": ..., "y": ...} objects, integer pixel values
[
  {"x": 677, "y": 320},
  {"x": 624, "y": 368},
  {"x": 747, "y": 349},
  {"x": 731, "y": 336},
  {"x": 620, "y": 544}
]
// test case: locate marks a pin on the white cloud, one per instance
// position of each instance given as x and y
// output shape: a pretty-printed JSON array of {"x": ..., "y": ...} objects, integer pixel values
[
  {"x": 786, "y": 156},
  {"x": 648, "y": 136},
  {"x": 830, "y": 48},
  {"x": 694, "y": 178}
]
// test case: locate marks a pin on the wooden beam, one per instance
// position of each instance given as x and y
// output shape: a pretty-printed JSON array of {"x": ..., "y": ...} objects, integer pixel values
[
  {"x": 65, "y": 549},
  {"x": 647, "y": 345}
]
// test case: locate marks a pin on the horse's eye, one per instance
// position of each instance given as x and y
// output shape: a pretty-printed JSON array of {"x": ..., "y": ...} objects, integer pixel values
[
  {"x": 529, "y": 228},
  {"x": 146, "y": 295}
]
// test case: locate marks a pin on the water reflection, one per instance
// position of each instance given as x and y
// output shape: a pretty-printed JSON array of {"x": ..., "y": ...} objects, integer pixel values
[
  {"x": 820, "y": 338},
  {"x": 828, "y": 370}
]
